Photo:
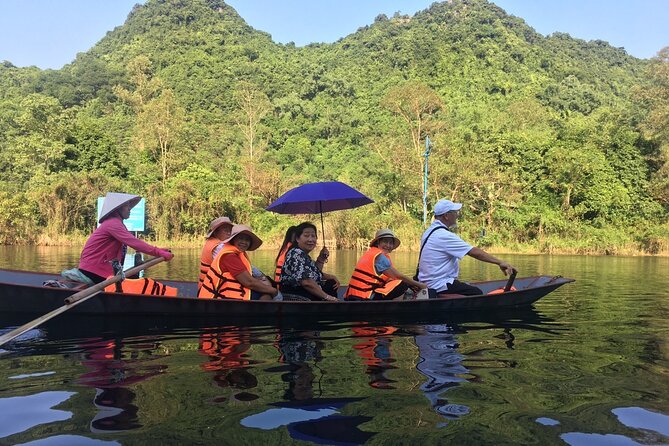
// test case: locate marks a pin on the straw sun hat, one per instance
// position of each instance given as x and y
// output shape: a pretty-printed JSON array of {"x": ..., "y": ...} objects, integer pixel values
[
  {"x": 243, "y": 229},
  {"x": 217, "y": 223},
  {"x": 385, "y": 233}
]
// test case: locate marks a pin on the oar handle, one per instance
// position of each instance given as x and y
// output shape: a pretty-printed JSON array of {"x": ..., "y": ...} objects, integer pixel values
[
  {"x": 509, "y": 283},
  {"x": 105, "y": 283}
]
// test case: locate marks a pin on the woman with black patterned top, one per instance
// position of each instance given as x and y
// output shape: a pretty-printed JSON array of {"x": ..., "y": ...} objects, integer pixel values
[{"x": 302, "y": 276}]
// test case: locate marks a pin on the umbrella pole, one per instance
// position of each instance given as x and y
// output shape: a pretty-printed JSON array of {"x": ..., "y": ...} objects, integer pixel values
[{"x": 320, "y": 206}]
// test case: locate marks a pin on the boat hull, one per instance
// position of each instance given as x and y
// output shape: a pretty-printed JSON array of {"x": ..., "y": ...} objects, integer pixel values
[{"x": 21, "y": 292}]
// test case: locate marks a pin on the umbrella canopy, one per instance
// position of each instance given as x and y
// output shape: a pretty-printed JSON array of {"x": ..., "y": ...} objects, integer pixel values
[{"x": 315, "y": 198}]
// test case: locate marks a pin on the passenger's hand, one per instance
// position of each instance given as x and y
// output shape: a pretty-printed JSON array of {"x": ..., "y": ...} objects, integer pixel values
[
  {"x": 507, "y": 269},
  {"x": 323, "y": 255},
  {"x": 329, "y": 298},
  {"x": 165, "y": 253},
  {"x": 420, "y": 286},
  {"x": 336, "y": 281}
]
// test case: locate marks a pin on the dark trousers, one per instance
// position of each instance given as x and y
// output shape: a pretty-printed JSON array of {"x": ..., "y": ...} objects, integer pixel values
[
  {"x": 398, "y": 291},
  {"x": 328, "y": 286},
  {"x": 94, "y": 277},
  {"x": 462, "y": 288}
]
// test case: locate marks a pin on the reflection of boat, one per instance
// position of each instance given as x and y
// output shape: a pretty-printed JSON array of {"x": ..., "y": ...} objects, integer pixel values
[{"x": 22, "y": 292}]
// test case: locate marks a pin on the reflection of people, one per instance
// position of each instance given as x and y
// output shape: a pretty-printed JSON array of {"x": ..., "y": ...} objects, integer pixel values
[
  {"x": 307, "y": 417},
  {"x": 219, "y": 230},
  {"x": 303, "y": 277},
  {"x": 228, "y": 360},
  {"x": 441, "y": 251},
  {"x": 231, "y": 274},
  {"x": 375, "y": 277},
  {"x": 109, "y": 241},
  {"x": 297, "y": 350},
  {"x": 115, "y": 410},
  {"x": 111, "y": 375},
  {"x": 374, "y": 348},
  {"x": 442, "y": 365}
]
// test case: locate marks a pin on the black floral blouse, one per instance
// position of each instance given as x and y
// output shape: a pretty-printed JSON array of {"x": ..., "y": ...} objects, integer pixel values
[{"x": 298, "y": 267}]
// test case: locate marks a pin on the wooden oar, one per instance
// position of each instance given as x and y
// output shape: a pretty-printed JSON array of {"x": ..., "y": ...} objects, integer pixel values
[
  {"x": 76, "y": 299},
  {"x": 509, "y": 283}
]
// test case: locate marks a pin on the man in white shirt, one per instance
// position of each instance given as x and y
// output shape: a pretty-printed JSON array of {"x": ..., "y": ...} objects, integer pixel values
[{"x": 441, "y": 251}]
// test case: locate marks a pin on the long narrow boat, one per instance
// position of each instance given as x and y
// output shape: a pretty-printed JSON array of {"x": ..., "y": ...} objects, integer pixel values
[{"x": 22, "y": 292}]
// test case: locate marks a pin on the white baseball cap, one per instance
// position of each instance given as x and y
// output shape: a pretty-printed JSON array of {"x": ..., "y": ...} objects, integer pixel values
[{"x": 444, "y": 206}]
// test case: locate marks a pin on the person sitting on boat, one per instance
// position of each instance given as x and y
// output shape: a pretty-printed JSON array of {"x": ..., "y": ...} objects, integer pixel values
[
  {"x": 442, "y": 250},
  {"x": 219, "y": 230},
  {"x": 375, "y": 277},
  {"x": 109, "y": 241},
  {"x": 231, "y": 274},
  {"x": 303, "y": 277},
  {"x": 288, "y": 242}
]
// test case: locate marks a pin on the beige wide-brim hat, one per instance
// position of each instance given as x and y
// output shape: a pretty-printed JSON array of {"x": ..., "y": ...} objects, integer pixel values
[
  {"x": 243, "y": 229},
  {"x": 217, "y": 223},
  {"x": 385, "y": 233},
  {"x": 115, "y": 200}
]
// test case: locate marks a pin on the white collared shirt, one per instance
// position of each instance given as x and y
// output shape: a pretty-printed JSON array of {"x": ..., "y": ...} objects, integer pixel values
[{"x": 439, "y": 263}]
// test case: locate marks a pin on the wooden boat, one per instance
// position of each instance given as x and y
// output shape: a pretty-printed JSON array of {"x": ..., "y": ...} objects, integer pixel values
[{"x": 22, "y": 292}]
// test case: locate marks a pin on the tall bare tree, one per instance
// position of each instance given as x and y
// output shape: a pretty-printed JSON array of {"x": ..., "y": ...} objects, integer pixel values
[
  {"x": 253, "y": 105},
  {"x": 417, "y": 106},
  {"x": 159, "y": 117}
]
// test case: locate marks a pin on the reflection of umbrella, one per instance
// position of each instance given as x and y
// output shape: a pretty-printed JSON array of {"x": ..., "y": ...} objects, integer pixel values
[{"x": 314, "y": 198}]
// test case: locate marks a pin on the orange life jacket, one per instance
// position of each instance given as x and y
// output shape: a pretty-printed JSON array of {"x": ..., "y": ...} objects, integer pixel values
[
  {"x": 365, "y": 280},
  {"x": 280, "y": 261},
  {"x": 371, "y": 338},
  {"x": 206, "y": 258},
  {"x": 501, "y": 290},
  {"x": 142, "y": 286},
  {"x": 220, "y": 284}
]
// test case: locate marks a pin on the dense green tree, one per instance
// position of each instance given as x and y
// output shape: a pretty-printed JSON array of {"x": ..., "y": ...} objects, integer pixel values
[
  {"x": 655, "y": 96},
  {"x": 547, "y": 140}
]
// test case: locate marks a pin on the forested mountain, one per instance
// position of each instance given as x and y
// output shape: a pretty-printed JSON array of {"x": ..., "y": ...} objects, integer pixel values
[{"x": 549, "y": 141}]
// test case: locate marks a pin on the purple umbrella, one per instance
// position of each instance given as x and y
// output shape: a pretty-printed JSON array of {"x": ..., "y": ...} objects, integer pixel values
[{"x": 314, "y": 198}]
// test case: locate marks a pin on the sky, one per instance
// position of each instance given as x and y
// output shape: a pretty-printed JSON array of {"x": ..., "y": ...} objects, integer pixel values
[{"x": 50, "y": 33}]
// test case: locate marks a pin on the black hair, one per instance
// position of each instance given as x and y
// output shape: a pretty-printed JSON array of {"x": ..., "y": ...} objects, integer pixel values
[
  {"x": 299, "y": 229},
  {"x": 288, "y": 238}
]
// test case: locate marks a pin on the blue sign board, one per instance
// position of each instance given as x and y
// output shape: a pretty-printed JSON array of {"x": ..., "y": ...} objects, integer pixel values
[{"x": 136, "y": 221}]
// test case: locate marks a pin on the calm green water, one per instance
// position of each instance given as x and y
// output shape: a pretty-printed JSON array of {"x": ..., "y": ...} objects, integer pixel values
[{"x": 589, "y": 364}]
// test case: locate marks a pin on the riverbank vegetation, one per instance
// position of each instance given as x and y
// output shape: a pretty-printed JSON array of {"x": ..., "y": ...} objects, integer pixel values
[{"x": 552, "y": 143}]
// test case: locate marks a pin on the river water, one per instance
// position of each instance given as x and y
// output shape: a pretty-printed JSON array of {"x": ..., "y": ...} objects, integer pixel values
[{"x": 587, "y": 365}]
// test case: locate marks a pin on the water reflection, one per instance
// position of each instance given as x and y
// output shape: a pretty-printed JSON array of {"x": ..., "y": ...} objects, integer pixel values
[
  {"x": 308, "y": 417},
  {"x": 305, "y": 413},
  {"x": 297, "y": 349},
  {"x": 374, "y": 347},
  {"x": 440, "y": 362},
  {"x": 226, "y": 351},
  {"x": 110, "y": 373},
  {"x": 21, "y": 413},
  {"x": 640, "y": 418},
  {"x": 653, "y": 426},
  {"x": 69, "y": 440}
]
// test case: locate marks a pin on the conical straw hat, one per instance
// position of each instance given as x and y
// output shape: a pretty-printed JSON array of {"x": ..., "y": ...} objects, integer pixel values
[{"x": 115, "y": 200}]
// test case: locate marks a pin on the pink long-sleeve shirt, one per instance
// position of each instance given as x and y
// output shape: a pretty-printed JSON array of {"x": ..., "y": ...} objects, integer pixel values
[{"x": 106, "y": 244}]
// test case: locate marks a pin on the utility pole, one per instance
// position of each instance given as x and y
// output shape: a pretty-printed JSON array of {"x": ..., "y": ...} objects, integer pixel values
[{"x": 428, "y": 147}]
